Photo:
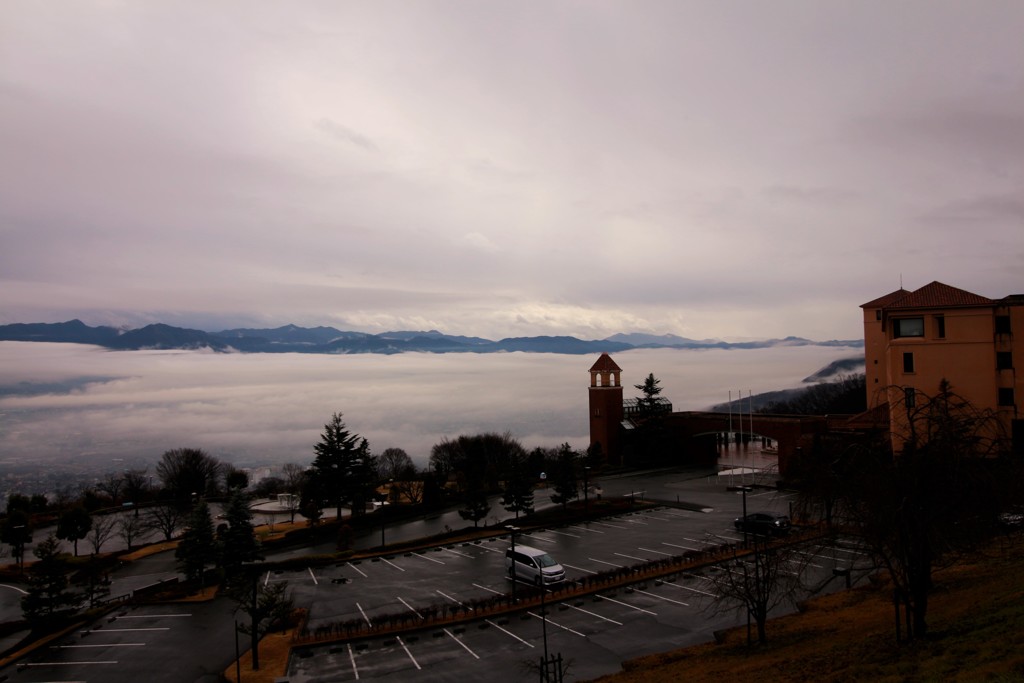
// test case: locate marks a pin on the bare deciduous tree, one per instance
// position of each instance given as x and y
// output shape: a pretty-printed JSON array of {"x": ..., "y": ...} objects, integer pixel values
[
  {"x": 294, "y": 476},
  {"x": 101, "y": 531},
  {"x": 395, "y": 464},
  {"x": 933, "y": 499},
  {"x": 165, "y": 519},
  {"x": 766, "y": 578},
  {"x": 188, "y": 472},
  {"x": 129, "y": 527},
  {"x": 112, "y": 485}
]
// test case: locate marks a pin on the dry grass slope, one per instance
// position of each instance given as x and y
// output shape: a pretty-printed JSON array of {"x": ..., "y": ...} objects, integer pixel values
[{"x": 976, "y": 618}]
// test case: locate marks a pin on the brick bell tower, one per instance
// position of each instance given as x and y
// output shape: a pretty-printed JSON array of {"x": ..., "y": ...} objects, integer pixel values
[{"x": 606, "y": 408}]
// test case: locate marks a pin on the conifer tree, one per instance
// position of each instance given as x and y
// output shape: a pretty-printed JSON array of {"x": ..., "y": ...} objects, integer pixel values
[
  {"x": 564, "y": 480},
  {"x": 48, "y": 599},
  {"x": 74, "y": 525},
  {"x": 518, "y": 496},
  {"x": 238, "y": 541},
  {"x": 198, "y": 547},
  {"x": 343, "y": 464}
]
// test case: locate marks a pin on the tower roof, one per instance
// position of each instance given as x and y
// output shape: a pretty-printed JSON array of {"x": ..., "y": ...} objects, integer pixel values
[{"x": 605, "y": 364}]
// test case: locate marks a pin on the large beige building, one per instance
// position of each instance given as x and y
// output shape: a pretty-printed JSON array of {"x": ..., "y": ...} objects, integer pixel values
[{"x": 914, "y": 340}]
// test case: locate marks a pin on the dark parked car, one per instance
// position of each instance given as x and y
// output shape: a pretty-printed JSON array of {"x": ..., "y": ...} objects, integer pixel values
[{"x": 765, "y": 523}]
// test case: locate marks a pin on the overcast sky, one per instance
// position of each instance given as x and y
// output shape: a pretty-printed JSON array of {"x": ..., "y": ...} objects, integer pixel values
[{"x": 708, "y": 169}]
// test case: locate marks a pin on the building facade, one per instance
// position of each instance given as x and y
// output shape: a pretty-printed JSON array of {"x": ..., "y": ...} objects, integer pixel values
[{"x": 915, "y": 339}]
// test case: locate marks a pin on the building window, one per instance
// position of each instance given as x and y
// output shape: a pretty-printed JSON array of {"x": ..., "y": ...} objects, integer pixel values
[
  {"x": 940, "y": 326},
  {"x": 1005, "y": 397},
  {"x": 908, "y": 327},
  {"x": 1002, "y": 324},
  {"x": 909, "y": 397},
  {"x": 908, "y": 362},
  {"x": 878, "y": 314},
  {"x": 1004, "y": 360}
]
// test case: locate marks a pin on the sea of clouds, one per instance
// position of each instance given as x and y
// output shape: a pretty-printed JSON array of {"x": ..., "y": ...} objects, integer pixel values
[{"x": 68, "y": 403}]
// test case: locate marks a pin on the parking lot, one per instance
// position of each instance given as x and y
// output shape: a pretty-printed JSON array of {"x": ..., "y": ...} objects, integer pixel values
[
  {"x": 156, "y": 643},
  {"x": 195, "y": 642},
  {"x": 594, "y": 634}
]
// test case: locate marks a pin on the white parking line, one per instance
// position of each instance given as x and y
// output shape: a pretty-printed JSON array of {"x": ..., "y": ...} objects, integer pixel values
[
  {"x": 562, "y": 533},
  {"x": 486, "y": 588},
  {"x": 129, "y": 630},
  {"x": 445, "y": 595},
  {"x": 658, "y": 552},
  {"x": 610, "y": 564},
  {"x": 311, "y": 575},
  {"x": 593, "y": 614},
  {"x": 383, "y": 559},
  {"x": 360, "y": 607},
  {"x": 626, "y": 604},
  {"x": 692, "y": 590},
  {"x": 75, "y": 647},
  {"x": 411, "y": 608},
  {"x": 267, "y": 579},
  {"x": 631, "y": 557},
  {"x": 634, "y": 521},
  {"x": 352, "y": 658},
  {"x": 613, "y": 526},
  {"x": 813, "y": 556},
  {"x": 357, "y": 569},
  {"x": 493, "y": 550},
  {"x": 541, "y": 538},
  {"x": 676, "y": 545},
  {"x": 424, "y": 557},
  {"x": 508, "y": 633},
  {"x": 583, "y": 528},
  {"x": 418, "y": 667},
  {"x": 4, "y": 585},
  {"x": 661, "y": 597},
  {"x": 106, "y": 661},
  {"x": 580, "y": 569},
  {"x": 464, "y": 646},
  {"x": 555, "y": 623},
  {"x": 455, "y": 552}
]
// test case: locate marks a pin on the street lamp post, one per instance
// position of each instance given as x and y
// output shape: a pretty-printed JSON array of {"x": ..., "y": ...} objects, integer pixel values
[
  {"x": 586, "y": 489},
  {"x": 238, "y": 658},
  {"x": 745, "y": 490},
  {"x": 512, "y": 530}
]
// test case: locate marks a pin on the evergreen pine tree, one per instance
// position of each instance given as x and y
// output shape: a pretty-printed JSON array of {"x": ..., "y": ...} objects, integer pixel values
[
  {"x": 238, "y": 542},
  {"x": 564, "y": 480},
  {"x": 518, "y": 495},
  {"x": 48, "y": 599},
  {"x": 198, "y": 547}
]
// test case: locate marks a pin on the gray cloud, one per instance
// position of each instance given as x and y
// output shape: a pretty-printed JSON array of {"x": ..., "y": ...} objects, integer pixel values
[
  {"x": 702, "y": 169},
  {"x": 345, "y": 134}
]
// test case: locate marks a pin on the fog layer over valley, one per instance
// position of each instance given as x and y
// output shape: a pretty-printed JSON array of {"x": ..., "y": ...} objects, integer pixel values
[{"x": 89, "y": 408}]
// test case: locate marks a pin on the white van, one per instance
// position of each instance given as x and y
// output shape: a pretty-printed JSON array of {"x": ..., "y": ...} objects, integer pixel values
[{"x": 533, "y": 566}]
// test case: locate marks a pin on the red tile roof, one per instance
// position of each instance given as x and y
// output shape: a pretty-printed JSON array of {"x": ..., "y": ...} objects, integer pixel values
[
  {"x": 939, "y": 295},
  {"x": 605, "y": 364},
  {"x": 883, "y": 301}
]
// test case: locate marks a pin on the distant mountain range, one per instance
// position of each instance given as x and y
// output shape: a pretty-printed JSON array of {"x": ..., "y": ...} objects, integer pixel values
[{"x": 294, "y": 339}]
